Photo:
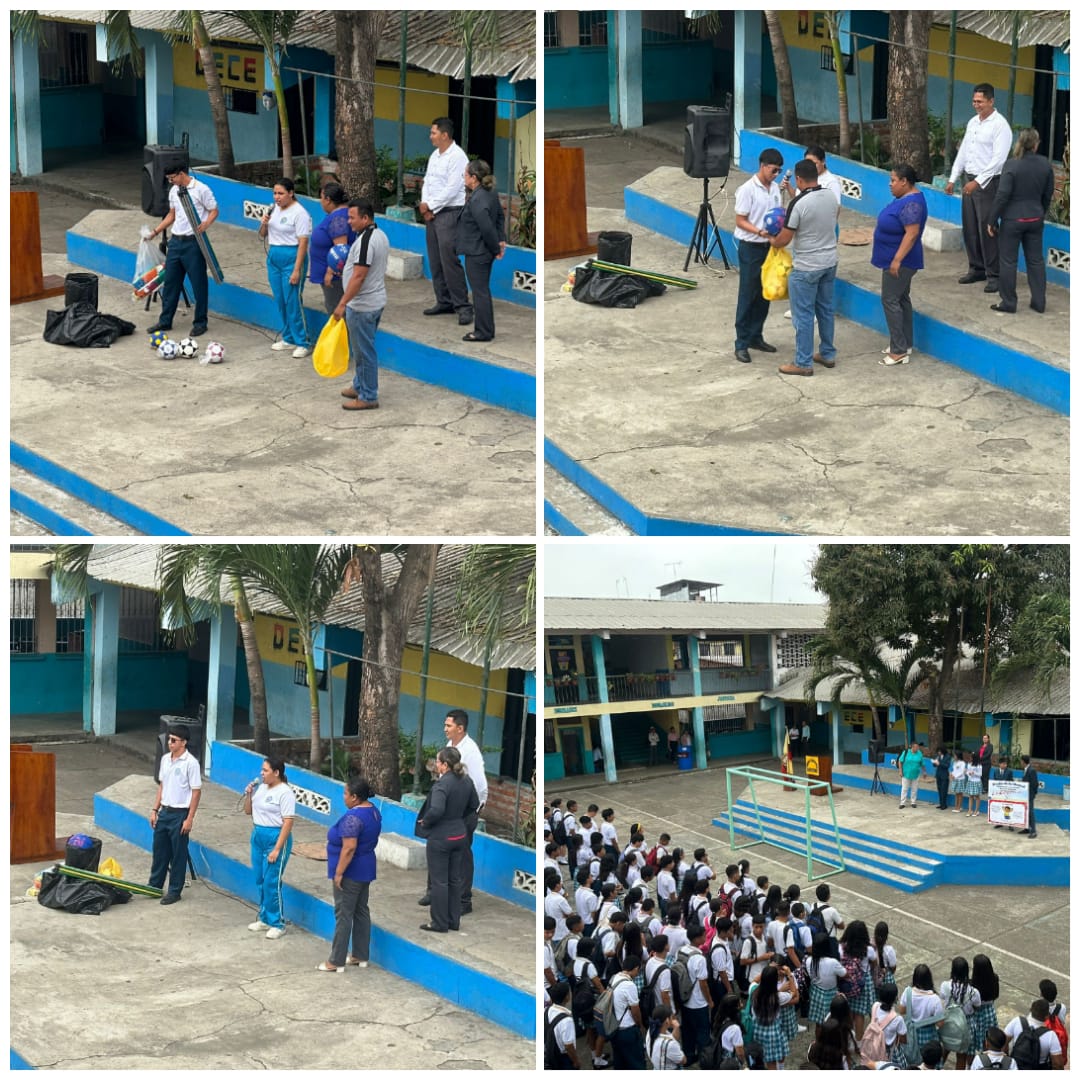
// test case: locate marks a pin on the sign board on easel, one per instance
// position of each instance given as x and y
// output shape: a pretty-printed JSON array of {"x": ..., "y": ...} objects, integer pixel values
[{"x": 1008, "y": 803}]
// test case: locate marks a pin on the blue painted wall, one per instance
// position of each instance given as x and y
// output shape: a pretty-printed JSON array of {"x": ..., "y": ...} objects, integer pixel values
[
  {"x": 553, "y": 767},
  {"x": 740, "y": 744},
  {"x": 677, "y": 71},
  {"x": 495, "y": 860},
  {"x": 254, "y": 137},
  {"x": 72, "y": 117},
  {"x": 471, "y": 989},
  {"x": 53, "y": 682},
  {"x": 576, "y": 78}
]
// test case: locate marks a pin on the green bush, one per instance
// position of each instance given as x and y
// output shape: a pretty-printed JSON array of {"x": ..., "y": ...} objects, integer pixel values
[{"x": 407, "y": 760}]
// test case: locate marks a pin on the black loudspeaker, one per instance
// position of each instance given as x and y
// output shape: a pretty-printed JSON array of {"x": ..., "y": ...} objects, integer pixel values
[
  {"x": 158, "y": 162},
  {"x": 876, "y": 748},
  {"x": 707, "y": 142},
  {"x": 196, "y": 744}
]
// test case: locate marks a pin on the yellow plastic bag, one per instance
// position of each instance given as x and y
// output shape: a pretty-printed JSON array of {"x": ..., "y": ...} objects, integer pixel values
[
  {"x": 331, "y": 355},
  {"x": 111, "y": 868},
  {"x": 774, "y": 274}
]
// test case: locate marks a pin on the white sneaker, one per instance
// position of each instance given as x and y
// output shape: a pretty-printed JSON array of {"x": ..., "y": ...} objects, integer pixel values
[
  {"x": 800, "y": 1029},
  {"x": 259, "y": 926},
  {"x": 787, "y": 314},
  {"x": 281, "y": 346},
  {"x": 301, "y": 351},
  {"x": 275, "y": 932}
]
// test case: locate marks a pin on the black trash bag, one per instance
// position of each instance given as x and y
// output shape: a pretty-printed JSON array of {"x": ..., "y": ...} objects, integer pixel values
[
  {"x": 79, "y": 897},
  {"x": 592, "y": 286},
  {"x": 83, "y": 326}
]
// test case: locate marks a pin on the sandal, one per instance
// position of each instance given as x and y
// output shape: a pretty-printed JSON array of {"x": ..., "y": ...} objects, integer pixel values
[
  {"x": 324, "y": 966},
  {"x": 351, "y": 961}
]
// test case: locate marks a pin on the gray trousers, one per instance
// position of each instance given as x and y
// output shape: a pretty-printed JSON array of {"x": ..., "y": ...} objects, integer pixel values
[
  {"x": 981, "y": 248},
  {"x": 352, "y": 921},
  {"x": 896, "y": 304},
  {"x": 447, "y": 273}
]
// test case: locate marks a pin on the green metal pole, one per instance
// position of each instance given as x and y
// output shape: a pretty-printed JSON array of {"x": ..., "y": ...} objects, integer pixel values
[
  {"x": 418, "y": 763},
  {"x": 949, "y": 91},
  {"x": 482, "y": 710},
  {"x": 402, "y": 73},
  {"x": 730, "y": 811},
  {"x": 1014, "y": 53},
  {"x": 806, "y": 812}
]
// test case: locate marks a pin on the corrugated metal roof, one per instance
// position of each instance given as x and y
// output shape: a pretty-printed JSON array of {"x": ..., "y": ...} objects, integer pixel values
[
  {"x": 1020, "y": 696},
  {"x": 586, "y": 615},
  {"x": 136, "y": 565},
  {"x": 1036, "y": 27},
  {"x": 431, "y": 46}
]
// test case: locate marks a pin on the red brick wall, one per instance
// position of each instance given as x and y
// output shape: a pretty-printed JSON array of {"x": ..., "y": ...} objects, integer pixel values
[{"x": 502, "y": 793}]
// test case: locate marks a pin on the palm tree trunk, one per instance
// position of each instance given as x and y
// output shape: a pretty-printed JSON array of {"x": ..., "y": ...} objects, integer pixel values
[
  {"x": 222, "y": 134},
  {"x": 785, "y": 86},
  {"x": 283, "y": 118},
  {"x": 357, "y": 36},
  {"x": 315, "y": 758},
  {"x": 253, "y": 663},
  {"x": 832, "y": 19}
]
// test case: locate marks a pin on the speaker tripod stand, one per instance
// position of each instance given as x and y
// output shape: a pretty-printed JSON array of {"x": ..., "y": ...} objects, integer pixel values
[
  {"x": 706, "y": 235},
  {"x": 876, "y": 785}
]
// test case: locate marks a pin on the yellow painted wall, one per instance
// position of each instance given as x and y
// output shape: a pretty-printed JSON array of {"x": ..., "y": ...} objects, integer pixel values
[
  {"x": 419, "y": 108},
  {"x": 441, "y": 668},
  {"x": 979, "y": 70},
  {"x": 525, "y": 131},
  {"x": 239, "y": 66}
]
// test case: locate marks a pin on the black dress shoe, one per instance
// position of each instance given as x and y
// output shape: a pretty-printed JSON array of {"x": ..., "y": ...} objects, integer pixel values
[
  {"x": 156, "y": 327},
  {"x": 990, "y": 286},
  {"x": 970, "y": 279},
  {"x": 1003, "y": 308},
  {"x": 170, "y": 898},
  {"x": 439, "y": 309},
  {"x": 742, "y": 356},
  {"x": 762, "y": 345},
  {"x": 1024, "y": 832},
  {"x": 424, "y": 901},
  {"x": 465, "y": 317},
  {"x": 466, "y": 909},
  {"x": 198, "y": 329},
  {"x": 431, "y": 929},
  {"x": 1040, "y": 310}
]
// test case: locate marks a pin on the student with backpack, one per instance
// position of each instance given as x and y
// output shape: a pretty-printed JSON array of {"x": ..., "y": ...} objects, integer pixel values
[
  {"x": 586, "y": 901},
  {"x": 662, "y": 1043},
  {"x": 922, "y": 1011},
  {"x": 727, "y": 1041},
  {"x": 622, "y": 1020},
  {"x": 1031, "y": 1043},
  {"x": 992, "y": 1055},
  {"x": 586, "y": 987},
  {"x": 560, "y": 1035},
  {"x": 608, "y": 833},
  {"x": 886, "y": 1033},
  {"x": 825, "y": 972},
  {"x": 566, "y": 949},
  {"x": 774, "y": 993},
  {"x": 886, "y": 954},
  {"x": 755, "y": 952},
  {"x": 1056, "y": 1021},
  {"x": 859, "y": 959},
  {"x": 720, "y": 965},
  {"x": 985, "y": 980},
  {"x": 690, "y": 985},
  {"x": 960, "y": 1000},
  {"x": 824, "y": 918},
  {"x": 667, "y": 892},
  {"x": 658, "y": 851},
  {"x": 657, "y": 988}
]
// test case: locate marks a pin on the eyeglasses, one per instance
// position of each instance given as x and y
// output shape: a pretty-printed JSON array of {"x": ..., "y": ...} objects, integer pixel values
[{"x": 173, "y": 738}]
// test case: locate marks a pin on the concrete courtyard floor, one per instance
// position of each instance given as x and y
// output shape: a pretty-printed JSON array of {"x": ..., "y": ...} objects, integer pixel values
[
  {"x": 652, "y": 403},
  {"x": 1025, "y": 930},
  {"x": 188, "y": 987}
]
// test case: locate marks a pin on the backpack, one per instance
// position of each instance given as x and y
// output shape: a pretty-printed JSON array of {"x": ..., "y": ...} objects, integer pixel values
[
  {"x": 1025, "y": 1048},
  {"x": 955, "y": 1031},
  {"x": 726, "y": 908},
  {"x": 856, "y": 975},
  {"x": 552, "y": 1055},
  {"x": 714, "y": 1053},
  {"x": 643, "y": 921},
  {"x": 715, "y": 985},
  {"x": 583, "y": 1002},
  {"x": 796, "y": 937},
  {"x": 558, "y": 828},
  {"x": 604, "y": 1010},
  {"x": 651, "y": 859},
  {"x": 1003, "y": 1063},
  {"x": 816, "y": 921},
  {"x": 564, "y": 962},
  {"x": 872, "y": 1047},
  {"x": 1058, "y": 1028},
  {"x": 650, "y": 996},
  {"x": 682, "y": 982},
  {"x": 747, "y": 1018}
]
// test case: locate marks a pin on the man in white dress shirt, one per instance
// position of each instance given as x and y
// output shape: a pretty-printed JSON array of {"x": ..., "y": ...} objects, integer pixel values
[
  {"x": 980, "y": 159},
  {"x": 456, "y": 727},
  {"x": 441, "y": 200}
]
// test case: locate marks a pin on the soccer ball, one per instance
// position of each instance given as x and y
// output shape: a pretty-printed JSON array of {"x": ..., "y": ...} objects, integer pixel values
[
  {"x": 168, "y": 349},
  {"x": 774, "y": 220},
  {"x": 215, "y": 353},
  {"x": 189, "y": 348},
  {"x": 336, "y": 258},
  {"x": 156, "y": 338}
]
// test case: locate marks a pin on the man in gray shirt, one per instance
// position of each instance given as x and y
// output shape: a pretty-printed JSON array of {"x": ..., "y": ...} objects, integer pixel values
[
  {"x": 811, "y": 224},
  {"x": 361, "y": 306}
]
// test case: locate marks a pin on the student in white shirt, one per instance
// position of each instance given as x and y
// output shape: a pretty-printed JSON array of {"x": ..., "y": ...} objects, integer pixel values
[
  {"x": 1049, "y": 1045},
  {"x": 894, "y": 1029},
  {"x": 992, "y": 1055},
  {"x": 585, "y": 900},
  {"x": 658, "y": 953},
  {"x": 666, "y": 890},
  {"x": 558, "y": 1016},
  {"x": 956, "y": 782},
  {"x": 662, "y": 1044},
  {"x": 756, "y": 952},
  {"x": 627, "y": 1040},
  {"x": 607, "y": 831},
  {"x": 287, "y": 229},
  {"x": 556, "y": 905}
]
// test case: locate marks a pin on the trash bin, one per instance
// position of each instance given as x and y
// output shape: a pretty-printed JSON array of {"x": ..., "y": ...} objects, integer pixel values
[
  {"x": 686, "y": 758},
  {"x": 614, "y": 247},
  {"x": 83, "y": 858},
  {"x": 81, "y": 288}
]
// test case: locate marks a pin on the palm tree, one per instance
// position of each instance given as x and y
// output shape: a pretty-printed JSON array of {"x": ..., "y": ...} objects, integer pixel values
[
  {"x": 785, "y": 86},
  {"x": 473, "y": 30},
  {"x": 832, "y": 21},
  {"x": 272, "y": 28},
  {"x": 205, "y": 569},
  {"x": 357, "y": 34}
]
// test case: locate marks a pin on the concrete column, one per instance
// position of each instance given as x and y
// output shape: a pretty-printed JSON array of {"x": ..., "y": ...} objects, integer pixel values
[
  {"x": 104, "y": 659},
  {"x": 626, "y": 94},
  {"x": 700, "y": 757},
  {"x": 324, "y": 102},
  {"x": 747, "y": 96},
  {"x": 221, "y": 683},
  {"x": 44, "y": 618},
  {"x": 778, "y": 726},
  {"x": 159, "y": 88},
  {"x": 607, "y": 742},
  {"x": 27, "y": 94}
]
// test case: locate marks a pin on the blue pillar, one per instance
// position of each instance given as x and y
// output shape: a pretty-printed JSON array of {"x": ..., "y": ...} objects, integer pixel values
[
  {"x": 105, "y": 658},
  {"x": 88, "y": 664},
  {"x": 27, "y": 114},
  {"x": 747, "y": 96},
  {"x": 893, "y": 717},
  {"x": 699, "y": 715},
  {"x": 607, "y": 743},
  {"x": 625, "y": 91},
  {"x": 159, "y": 88},
  {"x": 221, "y": 684},
  {"x": 324, "y": 114},
  {"x": 824, "y": 707}
]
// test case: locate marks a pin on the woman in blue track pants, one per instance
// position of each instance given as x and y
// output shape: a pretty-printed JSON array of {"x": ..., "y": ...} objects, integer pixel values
[
  {"x": 287, "y": 228},
  {"x": 272, "y": 807}
]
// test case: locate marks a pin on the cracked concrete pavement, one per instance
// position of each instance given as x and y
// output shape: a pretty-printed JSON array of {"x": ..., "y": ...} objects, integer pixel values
[{"x": 668, "y": 419}]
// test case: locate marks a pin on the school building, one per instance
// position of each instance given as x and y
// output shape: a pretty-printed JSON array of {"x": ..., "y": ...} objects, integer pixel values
[
  {"x": 733, "y": 678},
  {"x": 69, "y": 103},
  {"x": 108, "y": 663},
  {"x": 639, "y": 64}
]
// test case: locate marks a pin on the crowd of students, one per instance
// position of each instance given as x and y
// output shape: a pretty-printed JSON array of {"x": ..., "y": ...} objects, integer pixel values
[{"x": 651, "y": 957}]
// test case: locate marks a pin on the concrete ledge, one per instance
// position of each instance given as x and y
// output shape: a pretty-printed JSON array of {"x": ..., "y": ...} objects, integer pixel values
[
  {"x": 942, "y": 236},
  {"x": 401, "y": 851},
  {"x": 404, "y": 266}
]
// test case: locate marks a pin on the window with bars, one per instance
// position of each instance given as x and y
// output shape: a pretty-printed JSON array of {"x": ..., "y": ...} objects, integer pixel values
[
  {"x": 70, "y": 627},
  {"x": 592, "y": 27},
  {"x": 139, "y": 622},
  {"x": 550, "y": 746},
  {"x": 23, "y": 620},
  {"x": 65, "y": 55},
  {"x": 793, "y": 651},
  {"x": 724, "y": 719},
  {"x": 658, "y": 27},
  {"x": 725, "y": 653},
  {"x": 551, "y": 29}
]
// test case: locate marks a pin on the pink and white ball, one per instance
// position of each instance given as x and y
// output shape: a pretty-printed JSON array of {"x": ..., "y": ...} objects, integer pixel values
[{"x": 215, "y": 353}]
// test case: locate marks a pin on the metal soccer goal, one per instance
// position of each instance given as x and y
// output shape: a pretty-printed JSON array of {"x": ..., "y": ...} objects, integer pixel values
[{"x": 793, "y": 841}]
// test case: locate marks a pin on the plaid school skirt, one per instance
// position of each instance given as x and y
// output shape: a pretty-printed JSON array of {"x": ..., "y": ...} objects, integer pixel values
[
  {"x": 820, "y": 1000},
  {"x": 773, "y": 1040},
  {"x": 789, "y": 1021},
  {"x": 981, "y": 1020},
  {"x": 863, "y": 1001}
]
